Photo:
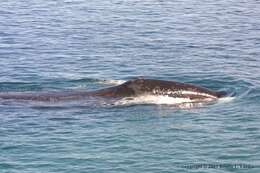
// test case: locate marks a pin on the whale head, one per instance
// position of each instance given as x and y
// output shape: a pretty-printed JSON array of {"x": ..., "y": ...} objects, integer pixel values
[{"x": 166, "y": 88}]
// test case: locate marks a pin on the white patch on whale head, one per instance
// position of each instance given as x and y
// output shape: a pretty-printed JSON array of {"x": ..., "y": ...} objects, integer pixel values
[
  {"x": 151, "y": 99},
  {"x": 181, "y": 102},
  {"x": 181, "y": 92}
]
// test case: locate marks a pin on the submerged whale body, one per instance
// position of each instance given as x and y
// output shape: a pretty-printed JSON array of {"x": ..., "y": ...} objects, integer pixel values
[{"x": 131, "y": 88}]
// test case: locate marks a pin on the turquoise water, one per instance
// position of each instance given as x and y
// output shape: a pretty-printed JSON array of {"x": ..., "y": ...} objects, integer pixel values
[{"x": 84, "y": 45}]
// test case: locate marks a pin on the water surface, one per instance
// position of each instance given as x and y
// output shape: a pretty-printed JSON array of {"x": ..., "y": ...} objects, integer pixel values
[{"x": 63, "y": 45}]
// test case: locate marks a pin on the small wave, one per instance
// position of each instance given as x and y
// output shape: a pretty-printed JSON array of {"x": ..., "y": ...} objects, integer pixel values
[
  {"x": 111, "y": 82},
  {"x": 99, "y": 81}
]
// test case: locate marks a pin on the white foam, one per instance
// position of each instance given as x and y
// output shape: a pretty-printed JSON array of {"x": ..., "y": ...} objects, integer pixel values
[
  {"x": 158, "y": 100},
  {"x": 226, "y": 99},
  {"x": 112, "y": 82}
]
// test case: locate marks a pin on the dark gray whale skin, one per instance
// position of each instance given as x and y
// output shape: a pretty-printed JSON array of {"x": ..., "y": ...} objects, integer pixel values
[{"x": 130, "y": 88}]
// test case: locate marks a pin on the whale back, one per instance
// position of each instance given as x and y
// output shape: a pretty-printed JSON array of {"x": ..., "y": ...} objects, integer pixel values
[{"x": 160, "y": 87}]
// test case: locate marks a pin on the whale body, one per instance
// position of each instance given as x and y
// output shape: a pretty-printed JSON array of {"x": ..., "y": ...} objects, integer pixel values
[{"x": 131, "y": 88}]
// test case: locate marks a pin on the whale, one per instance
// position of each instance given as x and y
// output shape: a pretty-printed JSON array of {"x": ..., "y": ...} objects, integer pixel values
[
  {"x": 130, "y": 88},
  {"x": 160, "y": 87}
]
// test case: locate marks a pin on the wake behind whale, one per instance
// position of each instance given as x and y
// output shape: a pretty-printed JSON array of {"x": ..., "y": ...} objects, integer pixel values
[{"x": 138, "y": 91}]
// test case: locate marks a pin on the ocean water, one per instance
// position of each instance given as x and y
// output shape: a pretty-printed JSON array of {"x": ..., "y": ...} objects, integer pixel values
[{"x": 85, "y": 45}]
